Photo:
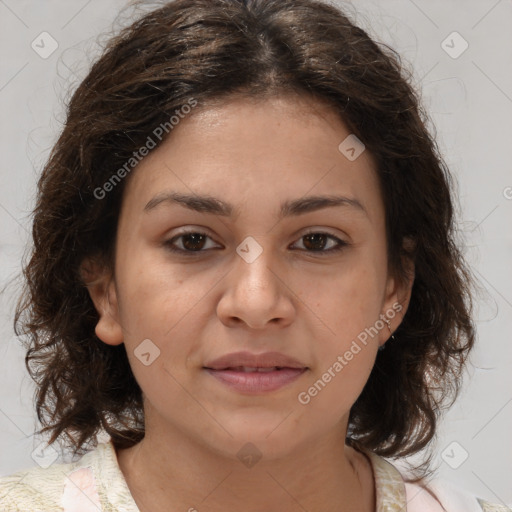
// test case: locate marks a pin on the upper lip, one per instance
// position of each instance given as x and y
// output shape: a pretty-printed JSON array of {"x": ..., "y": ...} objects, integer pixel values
[{"x": 263, "y": 360}]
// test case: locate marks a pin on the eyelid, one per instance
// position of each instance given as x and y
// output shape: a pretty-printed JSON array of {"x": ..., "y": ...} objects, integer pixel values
[
  {"x": 340, "y": 243},
  {"x": 187, "y": 231}
]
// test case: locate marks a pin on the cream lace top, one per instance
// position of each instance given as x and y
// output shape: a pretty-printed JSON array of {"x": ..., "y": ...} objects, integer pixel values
[{"x": 95, "y": 483}]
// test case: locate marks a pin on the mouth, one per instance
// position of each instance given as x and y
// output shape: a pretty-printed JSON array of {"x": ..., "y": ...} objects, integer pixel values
[
  {"x": 250, "y": 373},
  {"x": 250, "y": 369},
  {"x": 255, "y": 380}
]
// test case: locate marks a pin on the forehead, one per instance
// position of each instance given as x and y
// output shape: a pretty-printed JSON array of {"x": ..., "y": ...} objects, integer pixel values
[{"x": 256, "y": 151}]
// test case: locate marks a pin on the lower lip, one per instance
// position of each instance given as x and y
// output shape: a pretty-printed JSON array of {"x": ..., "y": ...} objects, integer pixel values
[{"x": 257, "y": 382}]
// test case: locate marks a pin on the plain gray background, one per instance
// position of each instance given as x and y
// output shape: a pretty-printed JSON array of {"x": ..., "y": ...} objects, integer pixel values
[{"x": 467, "y": 93}]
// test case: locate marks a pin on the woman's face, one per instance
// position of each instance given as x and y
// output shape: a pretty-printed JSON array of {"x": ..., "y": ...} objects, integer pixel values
[{"x": 252, "y": 280}]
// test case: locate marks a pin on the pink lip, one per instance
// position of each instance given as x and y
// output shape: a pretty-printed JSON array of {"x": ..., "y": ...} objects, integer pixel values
[
  {"x": 263, "y": 360},
  {"x": 256, "y": 382}
]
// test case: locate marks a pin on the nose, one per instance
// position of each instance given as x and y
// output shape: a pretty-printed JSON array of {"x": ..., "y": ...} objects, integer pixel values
[{"x": 256, "y": 294}]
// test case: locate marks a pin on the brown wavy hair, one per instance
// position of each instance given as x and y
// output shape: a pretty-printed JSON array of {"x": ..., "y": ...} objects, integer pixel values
[{"x": 213, "y": 50}]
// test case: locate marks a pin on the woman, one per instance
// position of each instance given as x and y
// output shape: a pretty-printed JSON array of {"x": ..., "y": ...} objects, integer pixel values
[{"x": 243, "y": 272}]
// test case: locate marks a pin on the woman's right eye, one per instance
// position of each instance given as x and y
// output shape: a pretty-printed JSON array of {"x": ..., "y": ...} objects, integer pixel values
[{"x": 190, "y": 241}]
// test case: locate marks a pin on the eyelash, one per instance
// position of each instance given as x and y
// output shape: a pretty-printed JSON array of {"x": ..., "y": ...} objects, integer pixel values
[{"x": 169, "y": 244}]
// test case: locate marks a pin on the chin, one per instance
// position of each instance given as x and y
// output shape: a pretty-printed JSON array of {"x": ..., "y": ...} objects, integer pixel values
[{"x": 265, "y": 435}]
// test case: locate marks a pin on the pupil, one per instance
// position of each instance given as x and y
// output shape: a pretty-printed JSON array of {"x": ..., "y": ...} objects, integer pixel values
[
  {"x": 196, "y": 238},
  {"x": 316, "y": 237}
]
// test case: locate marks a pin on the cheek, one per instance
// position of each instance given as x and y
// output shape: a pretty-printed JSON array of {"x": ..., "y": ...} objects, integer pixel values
[
  {"x": 162, "y": 304},
  {"x": 330, "y": 394},
  {"x": 155, "y": 294},
  {"x": 344, "y": 353},
  {"x": 346, "y": 337},
  {"x": 345, "y": 302}
]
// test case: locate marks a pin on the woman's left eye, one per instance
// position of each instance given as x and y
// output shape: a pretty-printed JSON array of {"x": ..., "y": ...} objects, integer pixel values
[
  {"x": 196, "y": 241},
  {"x": 317, "y": 241}
]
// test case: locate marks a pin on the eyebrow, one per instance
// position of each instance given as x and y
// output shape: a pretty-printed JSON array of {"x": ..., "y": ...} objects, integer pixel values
[{"x": 215, "y": 206}]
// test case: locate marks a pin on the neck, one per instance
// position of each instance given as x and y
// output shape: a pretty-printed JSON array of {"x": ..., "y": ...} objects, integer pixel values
[{"x": 175, "y": 472}]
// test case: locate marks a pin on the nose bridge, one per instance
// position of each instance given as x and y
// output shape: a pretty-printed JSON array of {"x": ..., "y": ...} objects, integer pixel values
[
  {"x": 254, "y": 268},
  {"x": 255, "y": 292}
]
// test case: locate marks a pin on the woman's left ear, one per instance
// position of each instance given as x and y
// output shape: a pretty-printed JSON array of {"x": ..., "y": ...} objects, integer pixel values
[
  {"x": 101, "y": 287},
  {"x": 399, "y": 291}
]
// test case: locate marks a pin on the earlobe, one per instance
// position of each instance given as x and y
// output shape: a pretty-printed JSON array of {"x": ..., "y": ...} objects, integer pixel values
[
  {"x": 398, "y": 297},
  {"x": 401, "y": 291},
  {"x": 101, "y": 288}
]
